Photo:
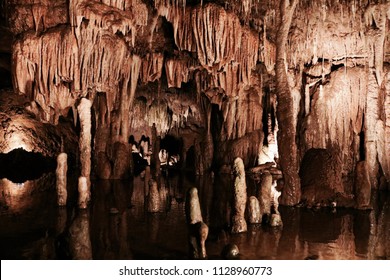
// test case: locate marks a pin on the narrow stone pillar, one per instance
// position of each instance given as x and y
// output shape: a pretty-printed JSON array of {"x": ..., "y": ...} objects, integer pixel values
[
  {"x": 61, "y": 183},
  {"x": 84, "y": 110},
  {"x": 154, "y": 197},
  {"x": 155, "y": 164},
  {"x": 192, "y": 207},
  {"x": 84, "y": 192},
  {"x": 240, "y": 197},
  {"x": 198, "y": 230},
  {"x": 197, "y": 239},
  {"x": 254, "y": 213}
]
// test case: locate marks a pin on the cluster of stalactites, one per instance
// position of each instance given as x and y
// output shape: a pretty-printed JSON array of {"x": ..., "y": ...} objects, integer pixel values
[
  {"x": 225, "y": 48},
  {"x": 71, "y": 68},
  {"x": 179, "y": 69},
  {"x": 335, "y": 31},
  {"x": 113, "y": 16},
  {"x": 151, "y": 69},
  {"x": 42, "y": 73},
  {"x": 345, "y": 95}
]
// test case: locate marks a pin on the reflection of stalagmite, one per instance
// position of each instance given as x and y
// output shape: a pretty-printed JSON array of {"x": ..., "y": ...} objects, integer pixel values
[
  {"x": 61, "y": 171},
  {"x": 230, "y": 251},
  {"x": 62, "y": 218},
  {"x": 198, "y": 230},
  {"x": 84, "y": 110},
  {"x": 80, "y": 241},
  {"x": 197, "y": 239},
  {"x": 146, "y": 180},
  {"x": 154, "y": 197},
  {"x": 84, "y": 192},
  {"x": 254, "y": 212},
  {"x": 238, "y": 221}
]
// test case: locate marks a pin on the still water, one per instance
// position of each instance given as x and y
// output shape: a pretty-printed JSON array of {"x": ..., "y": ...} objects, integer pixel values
[{"x": 117, "y": 226}]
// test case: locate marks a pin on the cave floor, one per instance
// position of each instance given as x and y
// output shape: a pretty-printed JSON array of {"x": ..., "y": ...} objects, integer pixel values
[{"x": 117, "y": 226}]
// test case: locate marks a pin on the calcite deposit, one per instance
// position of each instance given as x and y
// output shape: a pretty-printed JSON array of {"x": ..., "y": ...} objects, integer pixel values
[{"x": 263, "y": 80}]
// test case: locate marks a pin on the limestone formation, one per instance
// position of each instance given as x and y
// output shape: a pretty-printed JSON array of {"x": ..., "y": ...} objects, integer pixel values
[
  {"x": 84, "y": 192},
  {"x": 254, "y": 212},
  {"x": 276, "y": 220},
  {"x": 198, "y": 230},
  {"x": 84, "y": 110},
  {"x": 61, "y": 179},
  {"x": 198, "y": 234},
  {"x": 265, "y": 194},
  {"x": 240, "y": 197},
  {"x": 192, "y": 207}
]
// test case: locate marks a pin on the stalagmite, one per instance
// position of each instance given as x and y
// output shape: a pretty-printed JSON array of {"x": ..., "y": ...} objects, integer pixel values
[
  {"x": 154, "y": 203},
  {"x": 192, "y": 207},
  {"x": 61, "y": 176},
  {"x": 265, "y": 195},
  {"x": 198, "y": 234},
  {"x": 84, "y": 110},
  {"x": 276, "y": 220},
  {"x": 254, "y": 212},
  {"x": 198, "y": 230},
  {"x": 240, "y": 197},
  {"x": 84, "y": 192}
]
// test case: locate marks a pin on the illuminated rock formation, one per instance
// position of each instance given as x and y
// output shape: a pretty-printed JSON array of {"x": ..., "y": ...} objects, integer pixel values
[
  {"x": 61, "y": 179},
  {"x": 84, "y": 192},
  {"x": 230, "y": 78},
  {"x": 240, "y": 197},
  {"x": 254, "y": 212}
]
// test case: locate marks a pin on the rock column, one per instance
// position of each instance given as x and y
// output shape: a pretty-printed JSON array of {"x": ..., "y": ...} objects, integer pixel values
[
  {"x": 240, "y": 197},
  {"x": 61, "y": 183},
  {"x": 198, "y": 230},
  {"x": 84, "y": 110}
]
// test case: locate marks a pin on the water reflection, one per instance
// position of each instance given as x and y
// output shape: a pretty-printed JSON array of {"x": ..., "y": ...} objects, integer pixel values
[{"x": 117, "y": 225}]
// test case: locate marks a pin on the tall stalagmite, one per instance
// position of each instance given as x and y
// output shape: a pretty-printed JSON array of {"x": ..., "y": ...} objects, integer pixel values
[{"x": 85, "y": 141}]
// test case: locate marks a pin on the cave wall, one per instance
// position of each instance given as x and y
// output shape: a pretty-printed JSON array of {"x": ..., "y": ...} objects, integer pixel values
[{"x": 200, "y": 71}]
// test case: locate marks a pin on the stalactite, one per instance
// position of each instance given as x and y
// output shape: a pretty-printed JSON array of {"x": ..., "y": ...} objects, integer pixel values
[
  {"x": 178, "y": 70},
  {"x": 45, "y": 78},
  {"x": 151, "y": 68},
  {"x": 105, "y": 17},
  {"x": 343, "y": 95},
  {"x": 225, "y": 48}
]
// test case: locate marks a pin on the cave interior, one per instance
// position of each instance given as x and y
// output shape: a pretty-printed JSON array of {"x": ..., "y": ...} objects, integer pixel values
[{"x": 275, "y": 107}]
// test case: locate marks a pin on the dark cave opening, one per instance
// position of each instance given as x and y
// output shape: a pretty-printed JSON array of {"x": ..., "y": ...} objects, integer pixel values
[
  {"x": 20, "y": 165},
  {"x": 190, "y": 159},
  {"x": 173, "y": 146}
]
